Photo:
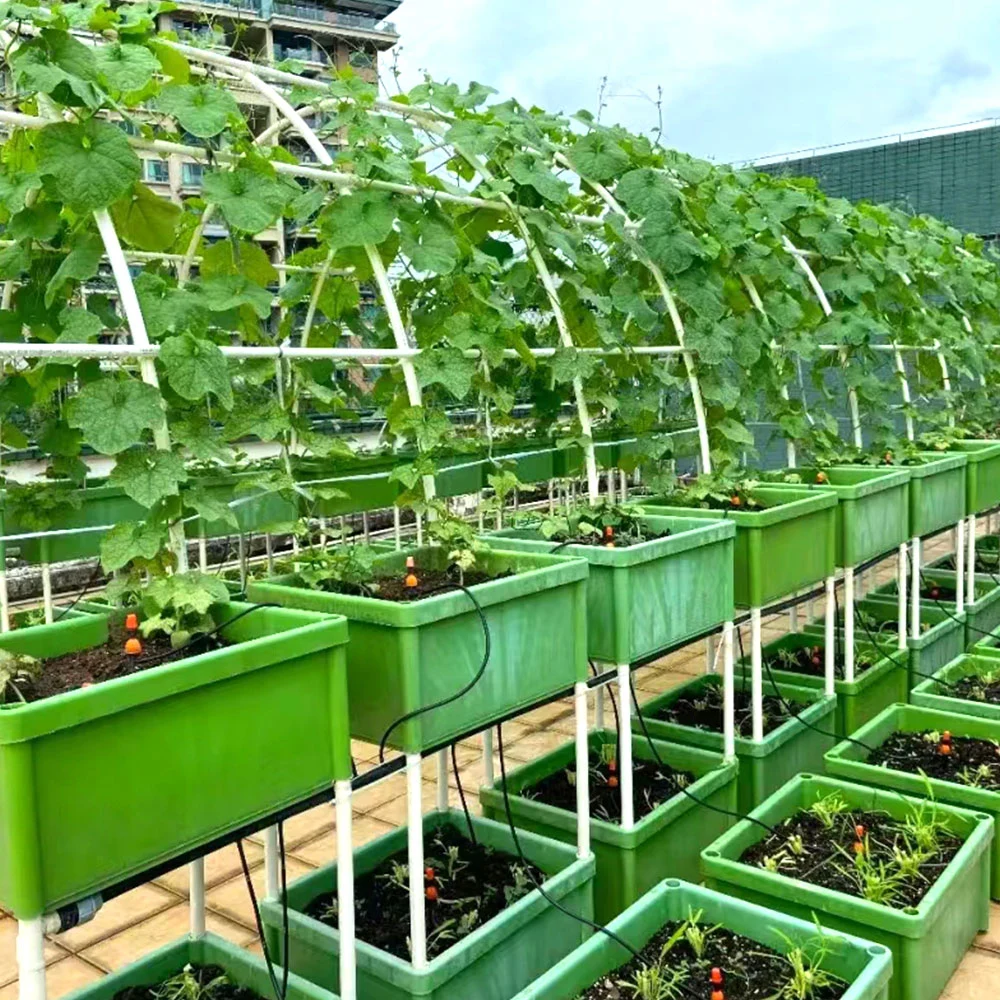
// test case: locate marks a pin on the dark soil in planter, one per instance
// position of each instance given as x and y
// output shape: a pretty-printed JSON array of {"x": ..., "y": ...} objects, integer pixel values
[
  {"x": 822, "y": 848},
  {"x": 209, "y": 982},
  {"x": 811, "y": 660},
  {"x": 961, "y": 759},
  {"x": 749, "y": 971},
  {"x": 704, "y": 711},
  {"x": 977, "y": 688},
  {"x": 620, "y": 541},
  {"x": 651, "y": 785},
  {"x": 107, "y": 662},
  {"x": 937, "y": 592},
  {"x": 469, "y": 884},
  {"x": 430, "y": 583}
]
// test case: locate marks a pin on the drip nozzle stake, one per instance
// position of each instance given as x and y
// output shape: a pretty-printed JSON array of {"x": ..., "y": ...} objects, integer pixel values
[{"x": 411, "y": 577}]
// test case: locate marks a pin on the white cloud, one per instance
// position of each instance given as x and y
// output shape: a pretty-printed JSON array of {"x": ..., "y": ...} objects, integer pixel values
[{"x": 740, "y": 77}]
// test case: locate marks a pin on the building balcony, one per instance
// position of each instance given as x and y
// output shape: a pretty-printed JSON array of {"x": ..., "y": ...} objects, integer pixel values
[{"x": 315, "y": 14}]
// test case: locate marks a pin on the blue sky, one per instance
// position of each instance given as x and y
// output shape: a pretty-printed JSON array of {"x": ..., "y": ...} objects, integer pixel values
[{"x": 741, "y": 78}]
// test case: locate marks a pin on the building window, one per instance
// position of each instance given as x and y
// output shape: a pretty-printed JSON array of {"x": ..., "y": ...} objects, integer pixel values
[
  {"x": 191, "y": 174},
  {"x": 156, "y": 171}
]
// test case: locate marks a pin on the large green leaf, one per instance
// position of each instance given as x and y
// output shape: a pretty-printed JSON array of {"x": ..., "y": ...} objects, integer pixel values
[
  {"x": 128, "y": 541},
  {"x": 196, "y": 368},
  {"x": 229, "y": 291},
  {"x": 240, "y": 257},
  {"x": 125, "y": 66},
  {"x": 148, "y": 475},
  {"x": 201, "y": 109},
  {"x": 446, "y": 366},
  {"x": 79, "y": 326},
  {"x": 530, "y": 171},
  {"x": 146, "y": 220},
  {"x": 40, "y": 221},
  {"x": 114, "y": 413},
  {"x": 250, "y": 201},
  {"x": 91, "y": 163},
  {"x": 430, "y": 244},
  {"x": 79, "y": 264},
  {"x": 598, "y": 157},
  {"x": 647, "y": 192},
  {"x": 359, "y": 219}
]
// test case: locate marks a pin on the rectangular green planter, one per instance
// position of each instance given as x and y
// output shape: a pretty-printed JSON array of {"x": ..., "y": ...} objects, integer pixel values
[
  {"x": 646, "y": 597},
  {"x": 937, "y": 492},
  {"x": 666, "y": 843},
  {"x": 532, "y": 458},
  {"x": 865, "y": 966},
  {"x": 783, "y": 548},
  {"x": 884, "y": 683},
  {"x": 873, "y": 510},
  {"x": 764, "y": 766},
  {"x": 100, "y": 783},
  {"x": 243, "y": 969},
  {"x": 982, "y": 614},
  {"x": 405, "y": 656},
  {"x": 927, "y": 942},
  {"x": 982, "y": 475},
  {"x": 492, "y": 963},
  {"x": 935, "y": 692},
  {"x": 461, "y": 475},
  {"x": 849, "y": 761}
]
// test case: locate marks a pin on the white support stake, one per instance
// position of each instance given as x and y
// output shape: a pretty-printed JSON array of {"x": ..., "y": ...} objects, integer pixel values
[
  {"x": 625, "y": 747},
  {"x": 396, "y": 528},
  {"x": 30, "y": 949},
  {"x": 272, "y": 877},
  {"x": 756, "y": 676},
  {"x": 728, "y": 693},
  {"x": 960, "y": 567},
  {"x": 849, "y": 624},
  {"x": 442, "y": 780},
  {"x": 196, "y": 903},
  {"x": 489, "y": 776},
  {"x": 901, "y": 580},
  {"x": 203, "y": 553},
  {"x": 710, "y": 654},
  {"x": 345, "y": 893},
  {"x": 830, "y": 622},
  {"x": 611, "y": 486},
  {"x": 915, "y": 588},
  {"x": 4, "y": 599},
  {"x": 415, "y": 860},
  {"x": 970, "y": 560},
  {"x": 582, "y": 772},
  {"x": 269, "y": 549},
  {"x": 47, "y": 593}
]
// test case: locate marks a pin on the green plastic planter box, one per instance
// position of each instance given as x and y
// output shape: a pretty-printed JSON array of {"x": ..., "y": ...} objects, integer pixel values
[
  {"x": 783, "y": 548},
  {"x": 883, "y": 683},
  {"x": 927, "y": 941},
  {"x": 937, "y": 492},
  {"x": 243, "y": 969},
  {"x": 461, "y": 475},
  {"x": 403, "y": 657},
  {"x": 570, "y": 460},
  {"x": 865, "y": 966},
  {"x": 936, "y": 693},
  {"x": 941, "y": 643},
  {"x": 646, "y": 597},
  {"x": 532, "y": 457},
  {"x": 982, "y": 615},
  {"x": 873, "y": 510},
  {"x": 665, "y": 843},
  {"x": 98, "y": 784},
  {"x": 849, "y": 761},
  {"x": 764, "y": 766},
  {"x": 493, "y": 963},
  {"x": 982, "y": 474}
]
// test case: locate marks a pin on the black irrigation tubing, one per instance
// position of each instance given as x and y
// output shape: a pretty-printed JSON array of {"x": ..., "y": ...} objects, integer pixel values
[
  {"x": 944, "y": 609},
  {"x": 95, "y": 573},
  {"x": 461, "y": 795},
  {"x": 614, "y": 709}
]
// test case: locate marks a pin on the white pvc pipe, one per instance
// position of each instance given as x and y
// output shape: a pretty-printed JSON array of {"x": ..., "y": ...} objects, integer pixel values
[
  {"x": 202, "y": 553},
  {"x": 756, "y": 676},
  {"x": 915, "y": 588},
  {"x": 196, "y": 903},
  {"x": 625, "y": 747},
  {"x": 848, "y": 624},
  {"x": 442, "y": 780},
  {"x": 269, "y": 549},
  {"x": 30, "y": 950},
  {"x": 582, "y": 772},
  {"x": 489, "y": 777},
  {"x": 960, "y": 567},
  {"x": 901, "y": 580},
  {"x": 710, "y": 654},
  {"x": 415, "y": 860},
  {"x": 345, "y": 892},
  {"x": 4, "y": 599},
  {"x": 728, "y": 693},
  {"x": 47, "y": 593},
  {"x": 272, "y": 872},
  {"x": 970, "y": 561},
  {"x": 830, "y": 624},
  {"x": 396, "y": 528}
]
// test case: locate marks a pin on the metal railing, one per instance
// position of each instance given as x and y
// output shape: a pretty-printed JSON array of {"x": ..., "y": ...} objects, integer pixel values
[{"x": 313, "y": 12}]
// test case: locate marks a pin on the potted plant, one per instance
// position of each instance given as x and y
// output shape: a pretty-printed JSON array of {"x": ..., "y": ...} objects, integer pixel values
[
  {"x": 490, "y": 931},
  {"x": 969, "y": 684},
  {"x": 670, "y": 782},
  {"x": 653, "y": 582},
  {"x": 981, "y": 607},
  {"x": 414, "y": 647},
  {"x": 922, "y": 751},
  {"x": 97, "y": 717},
  {"x": 909, "y": 874},
  {"x": 691, "y": 714},
  {"x": 684, "y": 933}
]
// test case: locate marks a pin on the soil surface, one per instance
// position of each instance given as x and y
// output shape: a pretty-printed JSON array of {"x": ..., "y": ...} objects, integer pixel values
[
  {"x": 961, "y": 759},
  {"x": 651, "y": 785},
  {"x": 704, "y": 711},
  {"x": 811, "y": 660},
  {"x": 430, "y": 583},
  {"x": 804, "y": 848},
  {"x": 975, "y": 688},
  {"x": 207, "y": 981},
  {"x": 469, "y": 885},
  {"x": 750, "y": 971},
  {"x": 104, "y": 663},
  {"x": 621, "y": 541}
]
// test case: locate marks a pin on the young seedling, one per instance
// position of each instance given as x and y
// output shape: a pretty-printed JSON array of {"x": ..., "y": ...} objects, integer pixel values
[
  {"x": 186, "y": 986},
  {"x": 828, "y": 809},
  {"x": 16, "y": 671}
]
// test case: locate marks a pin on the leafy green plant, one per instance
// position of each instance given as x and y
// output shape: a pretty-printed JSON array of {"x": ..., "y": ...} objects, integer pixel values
[
  {"x": 187, "y": 985},
  {"x": 805, "y": 962},
  {"x": 829, "y": 808},
  {"x": 16, "y": 670},
  {"x": 350, "y": 566}
]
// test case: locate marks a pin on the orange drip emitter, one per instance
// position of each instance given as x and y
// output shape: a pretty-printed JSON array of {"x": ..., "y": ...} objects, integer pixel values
[
  {"x": 411, "y": 580},
  {"x": 945, "y": 745},
  {"x": 609, "y": 537},
  {"x": 133, "y": 647},
  {"x": 131, "y": 621}
]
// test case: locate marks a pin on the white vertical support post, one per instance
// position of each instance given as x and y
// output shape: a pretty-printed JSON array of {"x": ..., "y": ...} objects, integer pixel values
[
  {"x": 915, "y": 588},
  {"x": 793, "y": 617},
  {"x": 611, "y": 486},
  {"x": 829, "y": 637},
  {"x": 196, "y": 902},
  {"x": 970, "y": 559},
  {"x": 756, "y": 676},
  {"x": 442, "y": 780},
  {"x": 47, "y": 592},
  {"x": 488, "y": 773},
  {"x": 625, "y": 746},
  {"x": 203, "y": 552},
  {"x": 4, "y": 599},
  {"x": 345, "y": 892},
  {"x": 272, "y": 877},
  {"x": 269, "y": 549},
  {"x": 901, "y": 580},
  {"x": 623, "y": 487},
  {"x": 420, "y": 529},
  {"x": 322, "y": 532},
  {"x": 241, "y": 555},
  {"x": 960, "y": 567},
  {"x": 728, "y": 694},
  {"x": 397, "y": 527},
  {"x": 710, "y": 654},
  {"x": 31, "y": 959},
  {"x": 366, "y": 527},
  {"x": 849, "y": 624},
  {"x": 415, "y": 860},
  {"x": 552, "y": 499},
  {"x": 582, "y": 772}
]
